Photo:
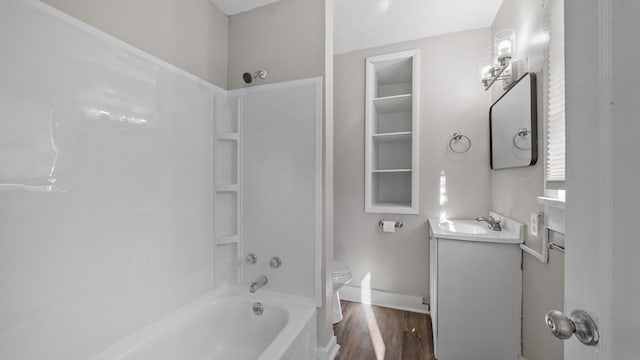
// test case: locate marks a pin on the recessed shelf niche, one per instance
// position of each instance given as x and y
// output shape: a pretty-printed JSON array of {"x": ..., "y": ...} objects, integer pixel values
[{"x": 391, "y": 128}]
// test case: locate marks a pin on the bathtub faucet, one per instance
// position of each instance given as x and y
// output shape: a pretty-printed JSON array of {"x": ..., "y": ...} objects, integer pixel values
[{"x": 260, "y": 282}]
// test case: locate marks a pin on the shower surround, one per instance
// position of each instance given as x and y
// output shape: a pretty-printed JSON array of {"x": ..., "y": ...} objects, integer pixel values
[{"x": 108, "y": 188}]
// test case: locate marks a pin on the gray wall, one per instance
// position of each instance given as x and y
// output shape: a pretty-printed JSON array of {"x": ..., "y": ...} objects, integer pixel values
[
  {"x": 191, "y": 34},
  {"x": 514, "y": 191},
  {"x": 287, "y": 38},
  {"x": 452, "y": 99}
]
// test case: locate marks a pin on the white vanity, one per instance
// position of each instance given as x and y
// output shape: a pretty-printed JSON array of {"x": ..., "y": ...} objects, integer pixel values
[{"x": 476, "y": 289}]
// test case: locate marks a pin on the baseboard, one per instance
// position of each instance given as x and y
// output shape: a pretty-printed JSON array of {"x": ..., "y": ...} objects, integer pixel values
[
  {"x": 520, "y": 357},
  {"x": 330, "y": 351},
  {"x": 386, "y": 299}
]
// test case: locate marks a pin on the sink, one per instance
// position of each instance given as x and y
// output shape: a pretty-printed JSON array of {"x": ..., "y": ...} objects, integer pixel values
[
  {"x": 463, "y": 227},
  {"x": 471, "y": 230}
]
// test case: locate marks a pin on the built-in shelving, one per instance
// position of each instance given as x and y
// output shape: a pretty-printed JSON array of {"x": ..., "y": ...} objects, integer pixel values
[
  {"x": 392, "y": 171},
  {"x": 227, "y": 240},
  {"x": 227, "y": 193},
  {"x": 394, "y": 136},
  {"x": 398, "y": 205},
  {"x": 393, "y": 104},
  {"x": 391, "y": 126}
]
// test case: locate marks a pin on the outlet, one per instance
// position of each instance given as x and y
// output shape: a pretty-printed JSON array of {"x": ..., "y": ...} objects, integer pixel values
[{"x": 534, "y": 223}]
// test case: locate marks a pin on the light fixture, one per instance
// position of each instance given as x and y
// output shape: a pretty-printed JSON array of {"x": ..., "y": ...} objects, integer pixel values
[{"x": 497, "y": 60}]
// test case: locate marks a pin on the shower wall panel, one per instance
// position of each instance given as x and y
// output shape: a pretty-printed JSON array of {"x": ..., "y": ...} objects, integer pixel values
[
  {"x": 281, "y": 127},
  {"x": 106, "y": 186}
]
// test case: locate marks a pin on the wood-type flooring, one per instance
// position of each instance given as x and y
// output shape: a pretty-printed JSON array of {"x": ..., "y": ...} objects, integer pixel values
[{"x": 369, "y": 332}]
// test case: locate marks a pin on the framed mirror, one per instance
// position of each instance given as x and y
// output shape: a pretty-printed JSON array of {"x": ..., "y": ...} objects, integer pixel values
[{"x": 513, "y": 123}]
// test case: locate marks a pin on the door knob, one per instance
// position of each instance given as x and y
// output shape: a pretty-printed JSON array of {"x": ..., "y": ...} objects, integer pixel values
[{"x": 580, "y": 323}]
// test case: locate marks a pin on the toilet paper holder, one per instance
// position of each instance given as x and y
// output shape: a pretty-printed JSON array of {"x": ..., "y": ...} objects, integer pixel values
[{"x": 398, "y": 224}]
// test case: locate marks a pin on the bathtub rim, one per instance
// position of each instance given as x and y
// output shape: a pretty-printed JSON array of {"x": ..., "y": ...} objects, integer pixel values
[{"x": 299, "y": 312}]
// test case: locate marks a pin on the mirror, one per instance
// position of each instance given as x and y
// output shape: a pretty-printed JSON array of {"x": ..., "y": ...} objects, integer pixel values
[{"x": 513, "y": 125}]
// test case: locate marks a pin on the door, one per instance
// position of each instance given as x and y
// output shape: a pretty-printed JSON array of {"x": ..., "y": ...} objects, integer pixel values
[{"x": 603, "y": 174}]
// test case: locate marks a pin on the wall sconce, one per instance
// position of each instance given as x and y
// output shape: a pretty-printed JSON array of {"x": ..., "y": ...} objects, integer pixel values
[{"x": 496, "y": 62}]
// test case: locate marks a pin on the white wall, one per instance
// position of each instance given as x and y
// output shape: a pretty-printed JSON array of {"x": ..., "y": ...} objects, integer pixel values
[
  {"x": 126, "y": 238},
  {"x": 191, "y": 34},
  {"x": 452, "y": 99},
  {"x": 514, "y": 191},
  {"x": 626, "y": 170},
  {"x": 286, "y": 38}
]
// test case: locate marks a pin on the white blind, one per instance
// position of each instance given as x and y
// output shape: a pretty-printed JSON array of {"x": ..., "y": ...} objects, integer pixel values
[{"x": 555, "y": 166}]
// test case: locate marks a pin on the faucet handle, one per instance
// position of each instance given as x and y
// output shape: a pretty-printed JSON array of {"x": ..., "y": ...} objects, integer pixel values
[
  {"x": 275, "y": 262},
  {"x": 497, "y": 226},
  {"x": 250, "y": 259}
]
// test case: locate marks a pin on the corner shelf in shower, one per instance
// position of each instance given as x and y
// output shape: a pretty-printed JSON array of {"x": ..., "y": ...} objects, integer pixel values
[
  {"x": 228, "y": 136},
  {"x": 227, "y": 198},
  {"x": 228, "y": 188},
  {"x": 227, "y": 240},
  {"x": 392, "y": 114}
]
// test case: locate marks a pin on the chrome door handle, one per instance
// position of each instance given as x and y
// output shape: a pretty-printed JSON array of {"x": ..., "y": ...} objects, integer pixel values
[{"x": 580, "y": 323}]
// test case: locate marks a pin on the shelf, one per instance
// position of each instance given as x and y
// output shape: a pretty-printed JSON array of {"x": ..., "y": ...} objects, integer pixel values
[
  {"x": 227, "y": 188},
  {"x": 552, "y": 202},
  {"x": 393, "y": 104},
  {"x": 394, "y": 68},
  {"x": 393, "y": 208},
  {"x": 387, "y": 171},
  {"x": 227, "y": 136},
  {"x": 393, "y": 136},
  {"x": 227, "y": 240}
]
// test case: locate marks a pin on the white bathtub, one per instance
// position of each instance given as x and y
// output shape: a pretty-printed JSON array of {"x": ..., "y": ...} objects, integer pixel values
[{"x": 222, "y": 325}]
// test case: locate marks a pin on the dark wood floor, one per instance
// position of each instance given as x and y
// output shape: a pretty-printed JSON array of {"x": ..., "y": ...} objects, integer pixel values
[{"x": 369, "y": 332}]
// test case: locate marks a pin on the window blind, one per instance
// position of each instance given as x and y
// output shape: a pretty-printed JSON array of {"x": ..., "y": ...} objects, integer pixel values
[{"x": 555, "y": 165}]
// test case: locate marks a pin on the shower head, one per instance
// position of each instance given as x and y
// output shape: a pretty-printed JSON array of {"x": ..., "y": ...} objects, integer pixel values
[{"x": 248, "y": 78}]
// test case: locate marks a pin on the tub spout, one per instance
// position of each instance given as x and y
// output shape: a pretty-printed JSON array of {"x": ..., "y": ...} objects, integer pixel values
[{"x": 260, "y": 282}]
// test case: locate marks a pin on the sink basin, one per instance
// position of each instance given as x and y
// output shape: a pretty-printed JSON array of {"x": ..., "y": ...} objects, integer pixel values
[
  {"x": 463, "y": 227},
  {"x": 471, "y": 230}
]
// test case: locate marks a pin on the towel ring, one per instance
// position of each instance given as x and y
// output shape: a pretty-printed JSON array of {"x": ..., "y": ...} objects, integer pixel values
[
  {"x": 458, "y": 136},
  {"x": 522, "y": 132}
]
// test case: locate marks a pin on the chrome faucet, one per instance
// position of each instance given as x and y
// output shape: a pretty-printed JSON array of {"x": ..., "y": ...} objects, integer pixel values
[
  {"x": 260, "y": 282},
  {"x": 493, "y": 223}
]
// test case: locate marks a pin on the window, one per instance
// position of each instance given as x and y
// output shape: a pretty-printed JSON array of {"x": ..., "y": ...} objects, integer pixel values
[{"x": 555, "y": 159}]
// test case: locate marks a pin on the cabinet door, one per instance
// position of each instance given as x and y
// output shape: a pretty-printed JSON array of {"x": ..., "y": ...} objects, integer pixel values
[{"x": 479, "y": 288}]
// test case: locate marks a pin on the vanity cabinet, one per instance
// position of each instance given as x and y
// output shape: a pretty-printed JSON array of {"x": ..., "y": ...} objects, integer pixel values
[
  {"x": 475, "y": 295},
  {"x": 391, "y": 133}
]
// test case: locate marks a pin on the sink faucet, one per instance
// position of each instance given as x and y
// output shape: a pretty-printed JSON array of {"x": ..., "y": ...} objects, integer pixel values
[
  {"x": 493, "y": 223},
  {"x": 260, "y": 282}
]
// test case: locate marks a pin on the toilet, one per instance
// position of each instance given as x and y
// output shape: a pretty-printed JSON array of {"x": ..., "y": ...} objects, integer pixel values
[{"x": 341, "y": 276}]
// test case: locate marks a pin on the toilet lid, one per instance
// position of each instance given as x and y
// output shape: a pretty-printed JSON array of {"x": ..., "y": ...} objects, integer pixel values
[{"x": 340, "y": 269}]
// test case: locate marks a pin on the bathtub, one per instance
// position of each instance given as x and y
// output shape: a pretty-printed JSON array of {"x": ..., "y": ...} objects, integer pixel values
[{"x": 222, "y": 325}]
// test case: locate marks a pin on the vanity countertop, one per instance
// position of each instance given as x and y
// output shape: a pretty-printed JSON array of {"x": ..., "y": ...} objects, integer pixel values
[{"x": 471, "y": 230}]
